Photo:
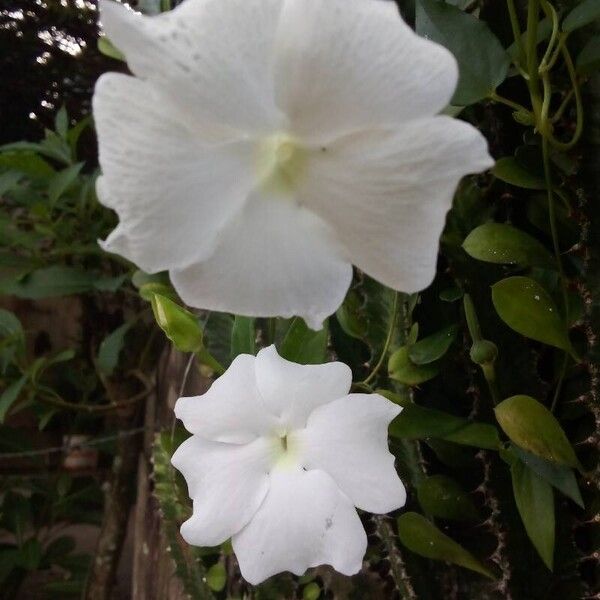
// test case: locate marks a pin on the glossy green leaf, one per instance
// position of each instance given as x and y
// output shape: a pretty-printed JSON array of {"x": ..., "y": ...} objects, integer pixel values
[
  {"x": 525, "y": 306},
  {"x": 507, "y": 169},
  {"x": 243, "y": 336},
  {"x": 216, "y": 577},
  {"x": 179, "y": 325},
  {"x": 432, "y": 347},
  {"x": 419, "y": 423},
  {"x": 401, "y": 368},
  {"x": 62, "y": 181},
  {"x": 111, "y": 347},
  {"x": 561, "y": 477},
  {"x": 504, "y": 244},
  {"x": 303, "y": 345},
  {"x": 535, "y": 500},
  {"x": 480, "y": 435},
  {"x": 10, "y": 395},
  {"x": 443, "y": 497},
  {"x": 588, "y": 60},
  {"x": 483, "y": 63},
  {"x": 531, "y": 426},
  {"x": 422, "y": 537},
  {"x": 583, "y": 14}
]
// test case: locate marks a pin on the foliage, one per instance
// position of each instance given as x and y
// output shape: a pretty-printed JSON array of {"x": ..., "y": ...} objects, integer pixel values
[{"x": 495, "y": 364}]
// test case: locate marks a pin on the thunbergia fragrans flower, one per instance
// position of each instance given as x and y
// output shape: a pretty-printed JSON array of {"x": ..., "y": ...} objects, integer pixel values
[
  {"x": 279, "y": 457},
  {"x": 265, "y": 146}
]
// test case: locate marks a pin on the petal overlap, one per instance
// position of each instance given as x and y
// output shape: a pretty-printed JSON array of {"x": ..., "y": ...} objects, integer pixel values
[
  {"x": 347, "y": 439},
  {"x": 227, "y": 482}
]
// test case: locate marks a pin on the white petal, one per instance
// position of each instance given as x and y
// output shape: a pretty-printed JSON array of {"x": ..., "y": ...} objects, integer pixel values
[
  {"x": 348, "y": 439},
  {"x": 227, "y": 482},
  {"x": 212, "y": 57},
  {"x": 344, "y": 66},
  {"x": 304, "y": 521},
  {"x": 387, "y": 194},
  {"x": 232, "y": 410},
  {"x": 274, "y": 259},
  {"x": 172, "y": 192},
  {"x": 292, "y": 391}
]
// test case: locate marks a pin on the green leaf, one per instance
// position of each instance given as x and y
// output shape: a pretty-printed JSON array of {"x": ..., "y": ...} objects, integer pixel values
[
  {"x": 433, "y": 347},
  {"x": 507, "y": 169},
  {"x": 422, "y": 537},
  {"x": 583, "y": 14},
  {"x": 62, "y": 181},
  {"x": 351, "y": 317},
  {"x": 9, "y": 180},
  {"x": 303, "y": 345},
  {"x": 30, "y": 554},
  {"x": 110, "y": 284},
  {"x": 401, "y": 368},
  {"x": 525, "y": 306},
  {"x": 106, "y": 47},
  {"x": 216, "y": 577},
  {"x": 483, "y": 63},
  {"x": 10, "y": 326},
  {"x": 561, "y": 477},
  {"x": 61, "y": 122},
  {"x": 535, "y": 500},
  {"x": 50, "y": 282},
  {"x": 418, "y": 423},
  {"x": 503, "y": 244},
  {"x": 443, "y": 497},
  {"x": 480, "y": 435},
  {"x": 10, "y": 396},
  {"x": 588, "y": 60},
  {"x": 110, "y": 348},
  {"x": 243, "y": 336},
  {"x": 179, "y": 325},
  {"x": 531, "y": 426}
]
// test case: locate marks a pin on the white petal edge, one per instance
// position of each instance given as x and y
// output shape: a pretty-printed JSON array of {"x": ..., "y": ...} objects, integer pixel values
[
  {"x": 275, "y": 259},
  {"x": 172, "y": 192},
  {"x": 213, "y": 58},
  {"x": 387, "y": 194},
  {"x": 227, "y": 482},
  {"x": 232, "y": 409},
  {"x": 347, "y": 66},
  {"x": 292, "y": 391},
  {"x": 303, "y": 522},
  {"x": 348, "y": 439}
]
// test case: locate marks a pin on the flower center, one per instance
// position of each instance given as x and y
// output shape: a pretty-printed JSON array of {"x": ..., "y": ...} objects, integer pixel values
[
  {"x": 285, "y": 453},
  {"x": 280, "y": 163}
]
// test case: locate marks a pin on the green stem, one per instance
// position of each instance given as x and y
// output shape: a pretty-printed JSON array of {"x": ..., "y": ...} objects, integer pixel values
[
  {"x": 559, "y": 383},
  {"x": 472, "y": 321},
  {"x": 206, "y": 358},
  {"x": 531, "y": 51},
  {"x": 551, "y": 13},
  {"x": 516, "y": 29},
  {"x": 388, "y": 340},
  {"x": 514, "y": 105}
]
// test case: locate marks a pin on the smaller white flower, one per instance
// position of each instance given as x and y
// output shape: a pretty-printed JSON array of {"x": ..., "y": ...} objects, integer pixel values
[{"x": 279, "y": 458}]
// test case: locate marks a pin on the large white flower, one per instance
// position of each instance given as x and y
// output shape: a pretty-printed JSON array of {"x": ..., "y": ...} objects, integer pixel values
[
  {"x": 265, "y": 146},
  {"x": 279, "y": 457}
]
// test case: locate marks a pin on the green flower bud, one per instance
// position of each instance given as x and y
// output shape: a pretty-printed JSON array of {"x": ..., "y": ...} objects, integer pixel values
[{"x": 483, "y": 352}]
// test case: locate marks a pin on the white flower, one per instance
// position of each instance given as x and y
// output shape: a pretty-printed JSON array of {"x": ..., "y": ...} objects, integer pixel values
[
  {"x": 265, "y": 146},
  {"x": 279, "y": 457}
]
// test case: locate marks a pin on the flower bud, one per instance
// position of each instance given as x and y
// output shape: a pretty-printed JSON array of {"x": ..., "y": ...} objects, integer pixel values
[{"x": 483, "y": 352}]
